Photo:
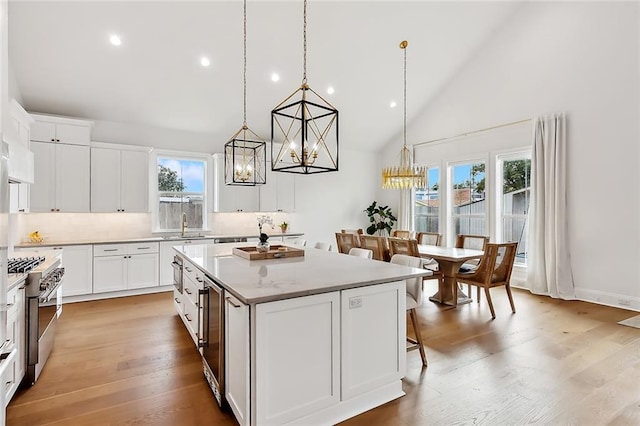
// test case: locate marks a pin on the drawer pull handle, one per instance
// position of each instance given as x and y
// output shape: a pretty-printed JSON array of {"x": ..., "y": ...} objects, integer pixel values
[
  {"x": 144, "y": 248},
  {"x": 188, "y": 269},
  {"x": 186, "y": 290},
  {"x": 200, "y": 280},
  {"x": 110, "y": 250},
  {"x": 176, "y": 299},
  {"x": 228, "y": 299},
  {"x": 187, "y": 317}
]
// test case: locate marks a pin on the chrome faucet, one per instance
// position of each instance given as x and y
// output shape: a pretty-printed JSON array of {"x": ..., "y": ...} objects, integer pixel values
[{"x": 184, "y": 224}]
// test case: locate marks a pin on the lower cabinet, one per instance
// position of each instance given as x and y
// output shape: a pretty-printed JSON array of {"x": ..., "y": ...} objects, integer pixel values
[
  {"x": 15, "y": 369},
  {"x": 237, "y": 358},
  {"x": 119, "y": 267},
  {"x": 78, "y": 270}
]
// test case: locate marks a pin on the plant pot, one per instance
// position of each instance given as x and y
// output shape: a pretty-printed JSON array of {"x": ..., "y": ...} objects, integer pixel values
[{"x": 262, "y": 247}]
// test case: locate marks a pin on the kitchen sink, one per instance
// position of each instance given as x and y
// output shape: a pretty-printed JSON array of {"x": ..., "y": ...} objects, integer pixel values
[{"x": 186, "y": 237}]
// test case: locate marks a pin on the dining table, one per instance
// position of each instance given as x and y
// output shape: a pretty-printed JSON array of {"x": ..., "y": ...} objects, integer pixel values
[{"x": 450, "y": 260}]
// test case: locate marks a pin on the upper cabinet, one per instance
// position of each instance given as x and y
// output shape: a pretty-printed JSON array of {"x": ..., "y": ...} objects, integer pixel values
[
  {"x": 278, "y": 194},
  {"x": 119, "y": 180},
  {"x": 232, "y": 198},
  {"x": 60, "y": 130}
]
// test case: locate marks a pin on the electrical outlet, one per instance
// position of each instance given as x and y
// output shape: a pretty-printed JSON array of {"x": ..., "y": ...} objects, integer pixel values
[
  {"x": 355, "y": 302},
  {"x": 624, "y": 302}
]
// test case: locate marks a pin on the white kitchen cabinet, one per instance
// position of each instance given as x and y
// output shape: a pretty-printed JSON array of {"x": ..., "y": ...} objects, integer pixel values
[
  {"x": 278, "y": 194},
  {"x": 119, "y": 267},
  {"x": 233, "y": 198},
  {"x": 119, "y": 180},
  {"x": 78, "y": 270},
  {"x": 16, "y": 324},
  {"x": 285, "y": 365},
  {"x": 237, "y": 350},
  {"x": 19, "y": 198},
  {"x": 61, "y": 178},
  {"x": 60, "y": 130}
]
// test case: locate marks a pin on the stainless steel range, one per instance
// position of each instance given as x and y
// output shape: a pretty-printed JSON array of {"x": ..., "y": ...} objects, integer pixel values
[{"x": 43, "y": 293}]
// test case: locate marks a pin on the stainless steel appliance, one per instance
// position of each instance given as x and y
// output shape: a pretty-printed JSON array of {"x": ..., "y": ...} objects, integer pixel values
[
  {"x": 43, "y": 291},
  {"x": 177, "y": 273},
  {"x": 212, "y": 344},
  {"x": 4, "y": 239}
]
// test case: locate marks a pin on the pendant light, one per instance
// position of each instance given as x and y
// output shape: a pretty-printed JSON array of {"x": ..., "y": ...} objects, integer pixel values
[
  {"x": 406, "y": 175},
  {"x": 304, "y": 128},
  {"x": 245, "y": 154}
]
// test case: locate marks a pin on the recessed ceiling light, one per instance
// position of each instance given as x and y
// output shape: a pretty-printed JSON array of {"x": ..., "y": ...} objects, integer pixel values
[
  {"x": 393, "y": 104},
  {"x": 330, "y": 90},
  {"x": 115, "y": 40},
  {"x": 205, "y": 62},
  {"x": 275, "y": 77}
]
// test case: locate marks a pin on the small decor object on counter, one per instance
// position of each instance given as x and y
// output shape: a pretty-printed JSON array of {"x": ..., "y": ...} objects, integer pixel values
[
  {"x": 276, "y": 251},
  {"x": 283, "y": 227},
  {"x": 263, "y": 244},
  {"x": 35, "y": 237}
]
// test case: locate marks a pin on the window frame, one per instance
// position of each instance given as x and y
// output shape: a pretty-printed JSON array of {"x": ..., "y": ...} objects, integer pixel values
[
  {"x": 154, "y": 193},
  {"x": 439, "y": 193}
]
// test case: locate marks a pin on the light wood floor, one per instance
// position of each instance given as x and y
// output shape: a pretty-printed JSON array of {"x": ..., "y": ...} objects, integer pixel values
[{"x": 130, "y": 361}]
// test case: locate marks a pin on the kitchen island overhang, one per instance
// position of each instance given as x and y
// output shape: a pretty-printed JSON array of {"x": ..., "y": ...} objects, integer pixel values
[{"x": 313, "y": 340}]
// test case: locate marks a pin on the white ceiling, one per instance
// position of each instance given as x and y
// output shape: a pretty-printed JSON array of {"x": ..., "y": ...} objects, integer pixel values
[{"x": 64, "y": 63}]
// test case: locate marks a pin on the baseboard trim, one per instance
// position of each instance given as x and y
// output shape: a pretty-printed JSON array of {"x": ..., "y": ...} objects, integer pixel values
[
  {"x": 113, "y": 294},
  {"x": 609, "y": 299}
]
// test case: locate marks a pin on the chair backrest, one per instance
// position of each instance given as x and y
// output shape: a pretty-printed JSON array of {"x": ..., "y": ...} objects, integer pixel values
[
  {"x": 376, "y": 244},
  {"x": 414, "y": 285},
  {"x": 346, "y": 241},
  {"x": 352, "y": 231},
  {"x": 322, "y": 246},
  {"x": 475, "y": 242},
  {"x": 299, "y": 242},
  {"x": 496, "y": 264},
  {"x": 360, "y": 252},
  {"x": 403, "y": 246},
  {"x": 429, "y": 238},
  {"x": 398, "y": 233}
]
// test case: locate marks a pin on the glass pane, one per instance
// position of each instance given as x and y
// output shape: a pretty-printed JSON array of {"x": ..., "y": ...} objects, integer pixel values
[
  {"x": 516, "y": 186},
  {"x": 180, "y": 175},
  {"x": 427, "y": 203},
  {"x": 469, "y": 225},
  {"x": 515, "y": 229},
  {"x": 172, "y": 206},
  {"x": 468, "y": 184}
]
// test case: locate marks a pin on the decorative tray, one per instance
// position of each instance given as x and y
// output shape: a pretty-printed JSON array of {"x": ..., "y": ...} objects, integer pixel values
[{"x": 276, "y": 251}]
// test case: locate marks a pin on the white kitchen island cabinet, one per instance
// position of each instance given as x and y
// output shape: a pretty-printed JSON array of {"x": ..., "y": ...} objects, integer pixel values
[{"x": 310, "y": 340}]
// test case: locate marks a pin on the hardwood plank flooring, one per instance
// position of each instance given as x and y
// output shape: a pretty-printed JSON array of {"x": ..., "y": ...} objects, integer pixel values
[{"x": 130, "y": 361}]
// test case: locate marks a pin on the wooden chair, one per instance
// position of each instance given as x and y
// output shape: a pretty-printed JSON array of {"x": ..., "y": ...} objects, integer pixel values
[
  {"x": 377, "y": 245},
  {"x": 346, "y": 241},
  {"x": 398, "y": 233},
  {"x": 429, "y": 238},
  {"x": 410, "y": 248},
  {"x": 474, "y": 242},
  {"x": 360, "y": 252},
  {"x": 494, "y": 270},
  {"x": 358, "y": 231},
  {"x": 414, "y": 300},
  {"x": 322, "y": 246}
]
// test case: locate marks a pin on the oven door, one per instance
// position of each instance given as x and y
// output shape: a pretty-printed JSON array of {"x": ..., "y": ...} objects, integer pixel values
[
  {"x": 177, "y": 273},
  {"x": 212, "y": 344}
]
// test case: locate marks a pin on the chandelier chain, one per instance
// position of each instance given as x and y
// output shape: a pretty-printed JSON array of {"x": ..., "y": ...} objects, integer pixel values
[
  {"x": 244, "y": 70},
  {"x": 304, "y": 43},
  {"x": 405, "y": 96}
]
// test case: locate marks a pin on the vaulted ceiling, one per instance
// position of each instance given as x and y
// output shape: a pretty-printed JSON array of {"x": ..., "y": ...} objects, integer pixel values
[{"x": 64, "y": 63}]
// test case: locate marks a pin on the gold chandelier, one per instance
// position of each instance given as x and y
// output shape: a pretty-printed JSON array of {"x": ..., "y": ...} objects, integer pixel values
[
  {"x": 304, "y": 128},
  {"x": 245, "y": 154},
  {"x": 406, "y": 175}
]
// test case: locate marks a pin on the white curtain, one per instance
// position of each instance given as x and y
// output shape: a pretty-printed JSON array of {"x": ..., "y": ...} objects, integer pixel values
[
  {"x": 405, "y": 213},
  {"x": 548, "y": 260}
]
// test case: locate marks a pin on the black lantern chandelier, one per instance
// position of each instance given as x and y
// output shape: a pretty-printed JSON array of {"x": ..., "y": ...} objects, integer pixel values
[
  {"x": 304, "y": 128},
  {"x": 245, "y": 154}
]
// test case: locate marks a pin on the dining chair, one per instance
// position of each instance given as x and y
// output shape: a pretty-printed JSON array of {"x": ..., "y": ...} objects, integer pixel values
[
  {"x": 414, "y": 300},
  {"x": 494, "y": 270},
  {"x": 398, "y": 233},
  {"x": 322, "y": 246},
  {"x": 352, "y": 231},
  {"x": 346, "y": 241},
  {"x": 360, "y": 252},
  {"x": 376, "y": 244},
  {"x": 474, "y": 242},
  {"x": 410, "y": 248},
  {"x": 431, "y": 239},
  {"x": 299, "y": 242}
]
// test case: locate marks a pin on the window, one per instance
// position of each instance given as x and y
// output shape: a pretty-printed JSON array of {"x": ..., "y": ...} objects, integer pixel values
[
  {"x": 181, "y": 191},
  {"x": 514, "y": 187},
  {"x": 467, "y": 200},
  {"x": 427, "y": 203}
]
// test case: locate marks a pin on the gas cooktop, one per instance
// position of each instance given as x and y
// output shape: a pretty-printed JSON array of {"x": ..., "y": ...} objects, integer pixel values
[{"x": 23, "y": 265}]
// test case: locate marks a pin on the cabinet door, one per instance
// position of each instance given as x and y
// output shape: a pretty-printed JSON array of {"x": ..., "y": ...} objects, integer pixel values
[
  {"x": 109, "y": 274},
  {"x": 78, "y": 273},
  {"x": 105, "y": 180},
  {"x": 237, "y": 358},
  {"x": 286, "y": 192},
  {"x": 72, "y": 178},
  {"x": 268, "y": 191},
  {"x": 372, "y": 356},
  {"x": 43, "y": 132},
  {"x": 43, "y": 189},
  {"x": 297, "y": 376},
  {"x": 142, "y": 270},
  {"x": 166, "y": 258},
  {"x": 134, "y": 182},
  {"x": 23, "y": 198},
  {"x": 248, "y": 198},
  {"x": 73, "y": 135},
  {"x": 225, "y": 195}
]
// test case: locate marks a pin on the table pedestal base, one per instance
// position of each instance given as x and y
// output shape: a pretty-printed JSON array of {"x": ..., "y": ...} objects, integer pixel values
[{"x": 446, "y": 288}]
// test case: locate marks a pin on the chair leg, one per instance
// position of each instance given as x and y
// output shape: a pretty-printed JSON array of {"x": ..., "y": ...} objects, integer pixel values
[
  {"x": 486, "y": 292},
  {"x": 513, "y": 306},
  {"x": 416, "y": 329},
  {"x": 469, "y": 290},
  {"x": 478, "y": 293}
]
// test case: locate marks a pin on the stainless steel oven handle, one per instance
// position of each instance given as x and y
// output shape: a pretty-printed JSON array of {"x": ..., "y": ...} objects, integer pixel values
[
  {"x": 206, "y": 307},
  {"x": 231, "y": 302}
]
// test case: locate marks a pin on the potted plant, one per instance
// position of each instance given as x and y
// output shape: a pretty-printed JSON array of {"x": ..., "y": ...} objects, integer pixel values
[
  {"x": 283, "y": 227},
  {"x": 381, "y": 219}
]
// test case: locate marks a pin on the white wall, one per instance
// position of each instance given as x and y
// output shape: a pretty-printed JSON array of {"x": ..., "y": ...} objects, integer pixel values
[{"x": 583, "y": 59}]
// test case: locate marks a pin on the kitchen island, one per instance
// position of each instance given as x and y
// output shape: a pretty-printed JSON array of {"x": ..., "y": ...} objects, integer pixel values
[{"x": 306, "y": 340}]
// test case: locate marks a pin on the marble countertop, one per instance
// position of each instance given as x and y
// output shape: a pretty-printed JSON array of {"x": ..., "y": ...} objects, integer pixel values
[
  {"x": 319, "y": 271},
  {"x": 151, "y": 238}
]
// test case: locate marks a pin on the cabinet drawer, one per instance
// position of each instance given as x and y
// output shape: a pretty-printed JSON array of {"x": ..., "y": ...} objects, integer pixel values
[
  {"x": 178, "y": 302},
  {"x": 9, "y": 377},
  {"x": 191, "y": 319},
  {"x": 191, "y": 291},
  {"x": 193, "y": 273},
  {"x": 141, "y": 248},
  {"x": 109, "y": 250},
  {"x": 13, "y": 302}
]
